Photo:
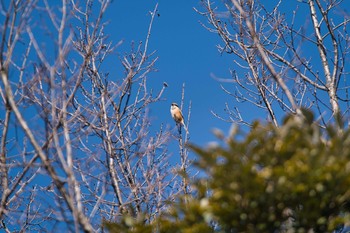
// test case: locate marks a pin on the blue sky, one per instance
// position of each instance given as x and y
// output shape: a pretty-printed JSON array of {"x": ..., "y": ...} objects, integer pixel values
[{"x": 187, "y": 54}]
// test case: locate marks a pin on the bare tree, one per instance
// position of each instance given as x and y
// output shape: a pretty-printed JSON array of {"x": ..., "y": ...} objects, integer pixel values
[
  {"x": 185, "y": 162},
  {"x": 76, "y": 147},
  {"x": 283, "y": 63}
]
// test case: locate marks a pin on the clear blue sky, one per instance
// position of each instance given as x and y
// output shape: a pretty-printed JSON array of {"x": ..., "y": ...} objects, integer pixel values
[{"x": 187, "y": 54}]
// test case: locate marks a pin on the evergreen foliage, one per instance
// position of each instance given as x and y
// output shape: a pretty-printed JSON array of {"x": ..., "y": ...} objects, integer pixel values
[{"x": 295, "y": 178}]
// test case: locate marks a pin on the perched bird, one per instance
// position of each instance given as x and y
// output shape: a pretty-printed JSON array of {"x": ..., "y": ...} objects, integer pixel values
[{"x": 177, "y": 115}]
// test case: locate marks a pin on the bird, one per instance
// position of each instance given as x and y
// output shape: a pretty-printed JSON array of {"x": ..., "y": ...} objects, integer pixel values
[{"x": 177, "y": 115}]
